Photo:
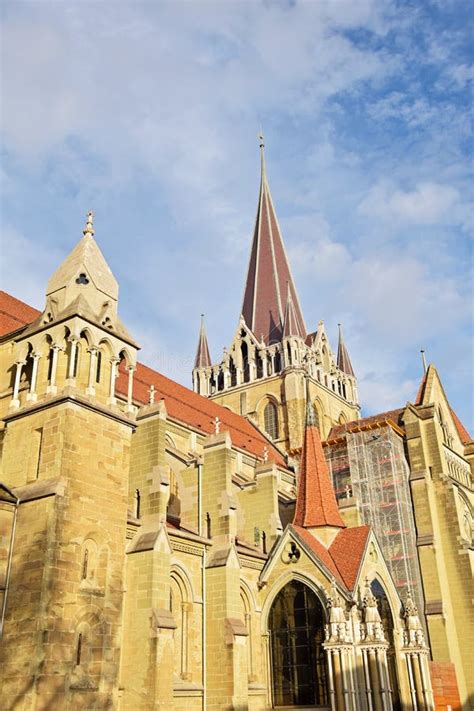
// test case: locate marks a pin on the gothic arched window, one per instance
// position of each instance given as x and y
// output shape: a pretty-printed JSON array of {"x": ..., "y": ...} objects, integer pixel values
[{"x": 270, "y": 419}]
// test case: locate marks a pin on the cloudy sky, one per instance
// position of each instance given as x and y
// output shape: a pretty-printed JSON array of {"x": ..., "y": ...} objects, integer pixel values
[{"x": 148, "y": 113}]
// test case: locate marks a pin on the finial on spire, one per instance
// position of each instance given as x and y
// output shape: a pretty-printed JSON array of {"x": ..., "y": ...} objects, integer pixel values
[
  {"x": 423, "y": 360},
  {"x": 89, "y": 228},
  {"x": 261, "y": 138}
]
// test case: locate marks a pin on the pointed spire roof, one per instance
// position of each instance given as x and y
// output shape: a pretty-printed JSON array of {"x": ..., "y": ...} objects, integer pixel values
[
  {"x": 343, "y": 360},
  {"x": 268, "y": 274},
  {"x": 316, "y": 504},
  {"x": 203, "y": 357},
  {"x": 290, "y": 324},
  {"x": 84, "y": 264}
]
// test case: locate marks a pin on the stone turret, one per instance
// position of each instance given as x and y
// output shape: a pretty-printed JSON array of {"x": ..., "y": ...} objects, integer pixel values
[{"x": 78, "y": 340}]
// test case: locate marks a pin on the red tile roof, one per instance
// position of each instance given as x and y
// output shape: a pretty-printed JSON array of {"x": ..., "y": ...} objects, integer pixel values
[
  {"x": 316, "y": 503},
  {"x": 421, "y": 389},
  {"x": 181, "y": 403},
  {"x": 196, "y": 411},
  {"x": 347, "y": 551},
  {"x": 344, "y": 556},
  {"x": 269, "y": 276},
  {"x": 14, "y": 313},
  {"x": 462, "y": 431}
]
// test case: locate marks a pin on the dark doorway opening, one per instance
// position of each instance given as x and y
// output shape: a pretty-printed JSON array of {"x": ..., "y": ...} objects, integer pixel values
[{"x": 299, "y": 670}]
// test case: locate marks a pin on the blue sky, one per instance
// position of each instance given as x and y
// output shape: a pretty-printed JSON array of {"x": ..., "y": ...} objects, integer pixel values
[{"x": 148, "y": 113}]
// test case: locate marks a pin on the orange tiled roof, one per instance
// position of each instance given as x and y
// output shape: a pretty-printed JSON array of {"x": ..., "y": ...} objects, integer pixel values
[
  {"x": 316, "y": 501},
  {"x": 421, "y": 389},
  {"x": 347, "y": 550},
  {"x": 344, "y": 556},
  {"x": 14, "y": 313},
  {"x": 197, "y": 411},
  {"x": 181, "y": 403},
  {"x": 462, "y": 431}
]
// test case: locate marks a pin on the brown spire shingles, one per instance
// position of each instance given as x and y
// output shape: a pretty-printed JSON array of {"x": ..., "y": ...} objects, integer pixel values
[
  {"x": 203, "y": 357},
  {"x": 269, "y": 276},
  {"x": 343, "y": 360},
  {"x": 316, "y": 503}
]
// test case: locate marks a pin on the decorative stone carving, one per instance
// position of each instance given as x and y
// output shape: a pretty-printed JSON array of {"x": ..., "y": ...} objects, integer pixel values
[
  {"x": 339, "y": 629},
  {"x": 371, "y": 629},
  {"x": 413, "y": 635}
]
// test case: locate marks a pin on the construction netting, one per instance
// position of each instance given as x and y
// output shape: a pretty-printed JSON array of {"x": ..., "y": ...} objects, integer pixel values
[{"x": 371, "y": 466}]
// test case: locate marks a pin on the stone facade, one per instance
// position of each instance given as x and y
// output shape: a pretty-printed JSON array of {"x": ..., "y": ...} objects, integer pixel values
[
  {"x": 143, "y": 551},
  {"x": 151, "y": 553}
]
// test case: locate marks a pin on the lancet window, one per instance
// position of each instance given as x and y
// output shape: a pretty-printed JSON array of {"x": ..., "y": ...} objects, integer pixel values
[{"x": 270, "y": 418}]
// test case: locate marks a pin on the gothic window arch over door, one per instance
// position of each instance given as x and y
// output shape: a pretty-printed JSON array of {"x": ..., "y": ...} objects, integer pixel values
[{"x": 298, "y": 661}]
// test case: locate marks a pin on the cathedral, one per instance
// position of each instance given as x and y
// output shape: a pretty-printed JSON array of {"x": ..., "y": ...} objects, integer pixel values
[{"x": 250, "y": 544}]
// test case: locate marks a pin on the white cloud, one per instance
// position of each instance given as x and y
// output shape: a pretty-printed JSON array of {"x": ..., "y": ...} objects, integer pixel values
[
  {"x": 427, "y": 204},
  {"x": 25, "y": 266}
]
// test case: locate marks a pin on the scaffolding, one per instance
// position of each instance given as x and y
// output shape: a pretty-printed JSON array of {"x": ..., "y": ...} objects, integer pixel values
[{"x": 371, "y": 467}]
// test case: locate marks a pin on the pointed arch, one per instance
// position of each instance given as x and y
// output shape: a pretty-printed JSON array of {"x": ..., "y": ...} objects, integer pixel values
[{"x": 299, "y": 675}]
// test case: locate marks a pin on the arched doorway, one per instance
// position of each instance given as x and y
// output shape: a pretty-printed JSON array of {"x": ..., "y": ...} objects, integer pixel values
[{"x": 296, "y": 624}]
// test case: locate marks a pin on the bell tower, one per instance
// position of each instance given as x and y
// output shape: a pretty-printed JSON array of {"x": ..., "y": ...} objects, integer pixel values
[
  {"x": 263, "y": 373},
  {"x": 66, "y": 449}
]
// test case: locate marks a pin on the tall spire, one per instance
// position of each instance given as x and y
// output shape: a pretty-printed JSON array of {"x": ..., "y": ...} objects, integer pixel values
[
  {"x": 343, "y": 360},
  {"x": 316, "y": 504},
  {"x": 203, "y": 358},
  {"x": 268, "y": 274}
]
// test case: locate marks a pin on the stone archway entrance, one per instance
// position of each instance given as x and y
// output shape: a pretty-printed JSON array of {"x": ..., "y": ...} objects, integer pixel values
[{"x": 298, "y": 661}]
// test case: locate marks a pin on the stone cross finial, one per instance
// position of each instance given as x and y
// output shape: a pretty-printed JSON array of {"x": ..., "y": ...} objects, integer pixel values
[
  {"x": 217, "y": 425},
  {"x": 89, "y": 229},
  {"x": 151, "y": 394},
  {"x": 265, "y": 454}
]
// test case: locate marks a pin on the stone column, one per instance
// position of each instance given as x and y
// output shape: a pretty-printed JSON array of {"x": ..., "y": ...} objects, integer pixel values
[
  {"x": 32, "y": 396},
  {"x": 368, "y": 685},
  {"x": 72, "y": 357},
  {"x": 130, "y": 370},
  {"x": 332, "y": 688},
  {"x": 15, "y": 402},
  {"x": 267, "y": 670},
  {"x": 54, "y": 366},
  {"x": 412, "y": 683},
  {"x": 113, "y": 375},
  {"x": 186, "y": 608},
  {"x": 90, "y": 390},
  {"x": 374, "y": 676}
]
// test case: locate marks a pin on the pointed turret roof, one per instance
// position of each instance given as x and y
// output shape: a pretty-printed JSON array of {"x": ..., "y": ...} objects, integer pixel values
[
  {"x": 85, "y": 262},
  {"x": 316, "y": 504},
  {"x": 343, "y": 360},
  {"x": 203, "y": 357},
  {"x": 269, "y": 273},
  {"x": 290, "y": 324}
]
